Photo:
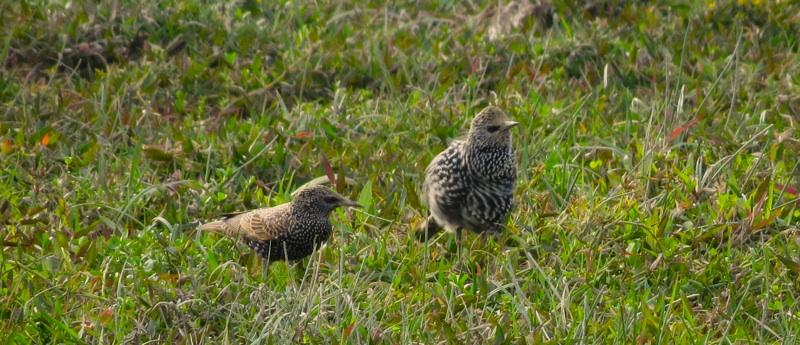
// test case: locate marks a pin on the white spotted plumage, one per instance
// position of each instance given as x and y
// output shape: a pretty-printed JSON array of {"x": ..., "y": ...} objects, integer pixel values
[
  {"x": 470, "y": 185},
  {"x": 289, "y": 231}
]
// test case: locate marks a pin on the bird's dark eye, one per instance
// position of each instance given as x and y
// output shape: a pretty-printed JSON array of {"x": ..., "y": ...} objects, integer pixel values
[
  {"x": 331, "y": 200},
  {"x": 492, "y": 129}
]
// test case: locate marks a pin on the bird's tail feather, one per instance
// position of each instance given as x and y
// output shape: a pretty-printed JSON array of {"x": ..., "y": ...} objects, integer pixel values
[
  {"x": 217, "y": 227},
  {"x": 191, "y": 225}
]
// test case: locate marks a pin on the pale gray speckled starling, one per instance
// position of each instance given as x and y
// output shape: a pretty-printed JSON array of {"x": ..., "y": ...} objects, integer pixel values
[
  {"x": 470, "y": 185},
  {"x": 290, "y": 231}
]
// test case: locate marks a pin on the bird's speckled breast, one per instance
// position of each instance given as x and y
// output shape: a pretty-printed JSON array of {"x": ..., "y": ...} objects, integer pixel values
[
  {"x": 304, "y": 237},
  {"x": 492, "y": 163}
]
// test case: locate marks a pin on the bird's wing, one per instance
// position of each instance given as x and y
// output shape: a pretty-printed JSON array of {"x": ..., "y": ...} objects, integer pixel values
[
  {"x": 445, "y": 167},
  {"x": 265, "y": 224},
  {"x": 445, "y": 188},
  {"x": 262, "y": 224}
]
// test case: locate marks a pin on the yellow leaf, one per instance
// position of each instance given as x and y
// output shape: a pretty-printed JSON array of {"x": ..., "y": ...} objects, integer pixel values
[{"x": 790, "y": 264}]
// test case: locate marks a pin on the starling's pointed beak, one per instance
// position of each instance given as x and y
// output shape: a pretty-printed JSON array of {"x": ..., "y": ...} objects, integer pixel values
[
  {"x": 508, "y": 124},
  {"x": 351, "y": 203}
]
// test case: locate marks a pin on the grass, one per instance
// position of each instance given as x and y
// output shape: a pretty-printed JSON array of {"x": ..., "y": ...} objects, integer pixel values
[{"x": 658, "y": 181}]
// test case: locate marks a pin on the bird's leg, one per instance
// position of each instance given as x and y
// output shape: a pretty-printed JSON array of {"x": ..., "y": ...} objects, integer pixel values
[{"x": 458, "y": 247}]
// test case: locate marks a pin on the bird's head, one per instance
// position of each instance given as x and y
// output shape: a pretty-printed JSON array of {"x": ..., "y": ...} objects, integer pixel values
[
  {"x": 491, "y": 125},
  {"x": 321, "y": 199}
]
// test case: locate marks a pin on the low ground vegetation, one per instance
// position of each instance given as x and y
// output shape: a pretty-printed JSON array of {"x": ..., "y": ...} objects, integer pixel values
[{"x": 658, "y": 185}]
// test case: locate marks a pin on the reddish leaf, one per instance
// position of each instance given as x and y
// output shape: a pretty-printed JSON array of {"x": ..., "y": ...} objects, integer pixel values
[
  {"x": 46, "y": 139},
  {"x": 682, "y": 128},
  {"x": 106, "y": 316},
  {"x": 376, "y": 335},
  {"x": 347, "y": 331},
  {"x": 81, "y": 253},
  {"x": 328, "y": 169},
  {"x": 475, "y": 64},
  {"x": 7, "y": 146},
  {"x": 764, "y": 223},
  {"x": 760, "y": 198},
  {"x": 761, "y": 191},
  {"x": 305, "y": 135},
  {"x": 126, "y": 116},
  {"x": 35, "y": 211},
  {"x": 787, "y": 189}
]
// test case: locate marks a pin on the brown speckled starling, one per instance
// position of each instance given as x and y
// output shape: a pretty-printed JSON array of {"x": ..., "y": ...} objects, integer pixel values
[
  {"x": 290, "y": 231},
  {"x": 470, "y": 185}
]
